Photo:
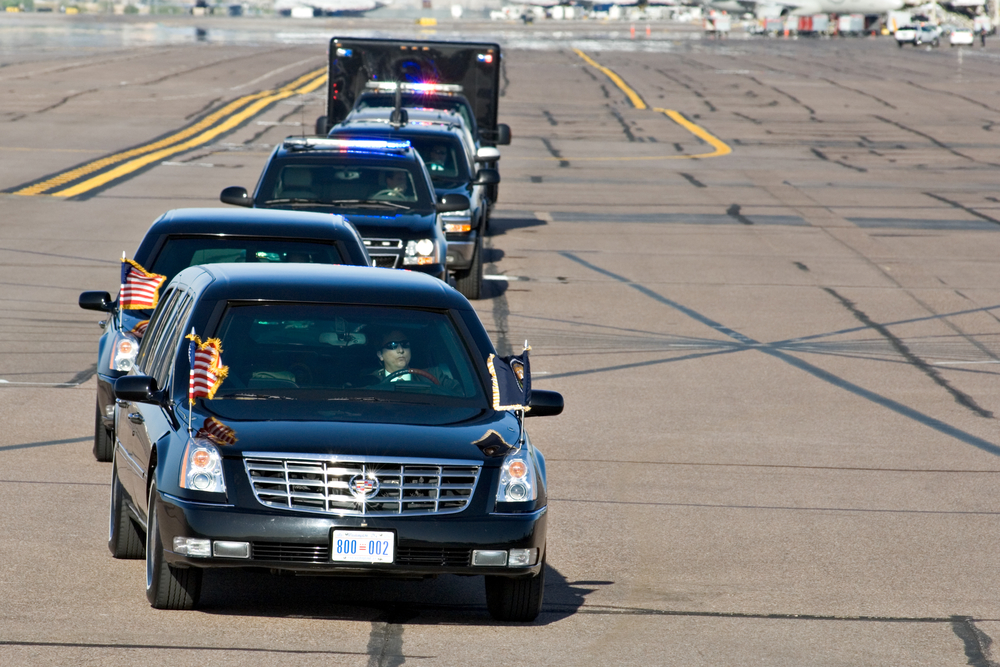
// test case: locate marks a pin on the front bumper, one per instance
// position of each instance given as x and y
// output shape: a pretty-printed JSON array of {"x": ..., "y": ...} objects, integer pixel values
[
  {"x": 461, "y": 250},
  {"x": 298, "y": 542}
]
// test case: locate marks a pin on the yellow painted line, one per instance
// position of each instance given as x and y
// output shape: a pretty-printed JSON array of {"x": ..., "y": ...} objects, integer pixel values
[
  {"x": 632, "y": 95},
  {"x": 175, "y": 143},
  {"x": 720, "y": 147}
]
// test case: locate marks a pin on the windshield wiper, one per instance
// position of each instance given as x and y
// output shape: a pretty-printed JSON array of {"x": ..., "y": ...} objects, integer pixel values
[
  {"x": 293, "y": 200},
  {"x": 256, "y": 396},
  {"x": 369, "y": 202}
]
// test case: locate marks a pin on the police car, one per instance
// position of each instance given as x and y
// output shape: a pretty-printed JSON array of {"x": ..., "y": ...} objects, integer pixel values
[
  {"x": 381, "y": 186},
  {"x": 448, "y": 150},
  {"x": 185, "y": 237}
]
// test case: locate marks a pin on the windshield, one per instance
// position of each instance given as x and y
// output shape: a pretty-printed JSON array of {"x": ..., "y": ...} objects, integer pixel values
[
  {"x": 327, "y": 352},
  {"x": 352, "y": 184},
  {"x": 445, "y": 159}
]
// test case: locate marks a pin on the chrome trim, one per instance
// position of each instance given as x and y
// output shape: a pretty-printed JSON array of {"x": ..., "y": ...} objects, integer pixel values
[
  {"x": 176, "y": 500},
  {"x": 524, "y": 515},
  {"x": 320, "y": 484},
  {"x": 129, "y": 459}
]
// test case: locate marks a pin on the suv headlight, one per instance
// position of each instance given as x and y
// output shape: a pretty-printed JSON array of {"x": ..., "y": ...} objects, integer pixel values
[
  {"x": 126, "y": 347},
  {"x": 201, "y": 467},
  {"x": 419, "y": 253},
  {"x": 518, "y": 478},
  {"x": 456, "y": 221}
]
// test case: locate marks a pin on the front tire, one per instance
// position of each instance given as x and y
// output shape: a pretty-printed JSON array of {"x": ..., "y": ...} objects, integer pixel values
[
  {"x": 516, "y": 600},
  {"x": 470, "y": 281},
  {"x": 124, "y": 534},
  {"x": 104, "y": 441},
  {"x": 167, "y": 587}
]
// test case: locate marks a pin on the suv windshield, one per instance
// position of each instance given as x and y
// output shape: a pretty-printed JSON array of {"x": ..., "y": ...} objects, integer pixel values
[
  {"x": 327, "y": 352},
  {"x": 344, "y": 184}
]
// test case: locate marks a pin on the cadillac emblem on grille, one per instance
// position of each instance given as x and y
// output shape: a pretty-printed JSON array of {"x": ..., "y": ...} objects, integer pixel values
[{"x": 363, "y": 487}]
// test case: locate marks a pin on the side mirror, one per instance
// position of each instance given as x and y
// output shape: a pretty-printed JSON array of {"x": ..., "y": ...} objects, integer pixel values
[
  {"x": 97, "y": 301},
  {"x": 487, "y": 154},
  {"x": 503, "y": 134},
  {"x": 543, "y": 403},
  {"x": 321, "y": 126},
  {"x": 451, "y": 203},
  {"x": 487, "y": 177},
  {"x": 236, "y": 195},
  {"x": 138, "y": 389}
]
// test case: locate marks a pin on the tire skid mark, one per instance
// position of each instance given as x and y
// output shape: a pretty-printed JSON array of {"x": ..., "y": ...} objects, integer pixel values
[
  {"x": 931, "y": 139},
  {"x": 963, "y": 207},
  {"x": 777, "y": 352},
  {"x": 860, "y": 92},
  {"x": 960, "y": 397}
]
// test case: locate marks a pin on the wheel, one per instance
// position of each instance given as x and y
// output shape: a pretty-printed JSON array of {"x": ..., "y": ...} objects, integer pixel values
[
  {"x": 124, "y": 534},
  {"x": 899, "y": 44},
  {"x": 936, "y": 43},
  {"x": 167, "y": 587},
  {"x": 470, "y": 281},
  {"x": 104, "y": 441},
  {"x": 515, "y": 599}
]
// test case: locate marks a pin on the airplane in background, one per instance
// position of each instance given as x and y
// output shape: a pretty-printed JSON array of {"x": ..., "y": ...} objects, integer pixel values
[
  {"x": 301, "y": 8},
  {"x": 775, "y": 8}
]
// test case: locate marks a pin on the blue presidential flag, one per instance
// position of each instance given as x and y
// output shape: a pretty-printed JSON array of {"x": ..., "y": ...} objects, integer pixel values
[{"x": 511, "y": 381}]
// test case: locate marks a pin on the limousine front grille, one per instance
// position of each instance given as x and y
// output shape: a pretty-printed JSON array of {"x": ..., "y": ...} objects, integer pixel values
[{"x": 371, "y": 486}]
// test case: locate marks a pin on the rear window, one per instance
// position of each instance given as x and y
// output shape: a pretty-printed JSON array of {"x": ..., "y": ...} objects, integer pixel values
[{"x": 178, "y": 253}]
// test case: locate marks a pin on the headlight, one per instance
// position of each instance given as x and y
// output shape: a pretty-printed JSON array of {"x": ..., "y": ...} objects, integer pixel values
[
  {"x": 201, "y": 468},
  {"x": 457, "y": 221},
  {"x": 126, "y": 347},
  {"x": 424, "y": 251},
  {"x": 518, "y": 479}
]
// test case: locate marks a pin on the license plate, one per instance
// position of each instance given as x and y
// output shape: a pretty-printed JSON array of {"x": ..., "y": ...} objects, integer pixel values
[{"x": 363, "y": 546}]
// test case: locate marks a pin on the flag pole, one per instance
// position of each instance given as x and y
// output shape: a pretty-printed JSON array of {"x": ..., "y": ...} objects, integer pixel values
[
  {"x": 121, "y": 291},
  {"x": 191, "y": 380}
]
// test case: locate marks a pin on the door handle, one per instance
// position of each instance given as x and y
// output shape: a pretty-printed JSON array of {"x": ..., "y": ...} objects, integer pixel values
[{"x": 135, "y": 418}]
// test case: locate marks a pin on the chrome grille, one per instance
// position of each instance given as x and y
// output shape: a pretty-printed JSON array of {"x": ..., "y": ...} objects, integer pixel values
[
  {"x": 384, "y": 261},
  {"x": 322, "y": 484},
  {"x": 384, "y": 252}
]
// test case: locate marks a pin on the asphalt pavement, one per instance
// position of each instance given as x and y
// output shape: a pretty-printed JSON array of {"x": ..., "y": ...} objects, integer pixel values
[{"x": 763, "y": 273}]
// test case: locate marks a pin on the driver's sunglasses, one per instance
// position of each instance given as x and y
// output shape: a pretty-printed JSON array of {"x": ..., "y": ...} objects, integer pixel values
[{"x": 393, "y": 344}]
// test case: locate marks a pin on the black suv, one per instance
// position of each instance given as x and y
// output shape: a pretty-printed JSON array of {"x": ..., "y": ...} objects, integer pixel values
[
  {"x": 448, "y": 150},
  {"x": 185, "y": 237},
  {"x": 354, "y": 423},
  {"x": 382, "y": 187}
]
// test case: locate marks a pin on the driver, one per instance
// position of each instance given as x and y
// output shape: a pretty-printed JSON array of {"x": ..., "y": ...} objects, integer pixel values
[
  {"x": 395, "y": 352},
  {"x": 396, "y": 183}
]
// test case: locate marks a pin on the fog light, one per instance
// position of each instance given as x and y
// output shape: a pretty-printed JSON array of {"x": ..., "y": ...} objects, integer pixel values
[
  {"x": 457, "y": 227},
  {"x": 193, "y": 546},
  {"x": 489, "y": 558},
  {"x": 231, "y": 549},
  {"x": 522, "y": 557}
]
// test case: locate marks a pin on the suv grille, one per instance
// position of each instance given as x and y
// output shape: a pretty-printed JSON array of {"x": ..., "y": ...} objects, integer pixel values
[
  {"x": 372, "y": 486},
  {"x": 384, "y": 252}
]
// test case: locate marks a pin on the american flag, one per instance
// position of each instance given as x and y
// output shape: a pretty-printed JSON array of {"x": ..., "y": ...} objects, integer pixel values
[
  {"x": 140, "y": 329},
  {"x": 207, "y": 371},
  {"x": 217, "y": 432},
  {"x": 140, "y": 288}
]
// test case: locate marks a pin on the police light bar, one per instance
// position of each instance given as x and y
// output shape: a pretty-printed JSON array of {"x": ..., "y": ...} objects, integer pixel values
[
  {"x": 348, "y": 145},
  {"x": 390, "y": 86}
]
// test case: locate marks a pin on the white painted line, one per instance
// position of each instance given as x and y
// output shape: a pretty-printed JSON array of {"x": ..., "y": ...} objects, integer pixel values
[
  {"x": 963, "y": 363},
  {"x": 507, "y": 278}
]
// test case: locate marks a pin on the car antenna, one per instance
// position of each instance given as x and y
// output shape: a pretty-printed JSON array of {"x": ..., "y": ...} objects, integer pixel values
[{"x": 398, "y": 117}]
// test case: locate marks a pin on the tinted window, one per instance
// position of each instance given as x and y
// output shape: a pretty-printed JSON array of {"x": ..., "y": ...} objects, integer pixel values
[
  {"x": 155, "y": 328},
  {"x": 444, "y": 158},
  {"x": 173, "y": 330},
  {"x": 325, "y": 184},
  {"x": 324, "y": 352},
  {"x": 178, "y": 253}
]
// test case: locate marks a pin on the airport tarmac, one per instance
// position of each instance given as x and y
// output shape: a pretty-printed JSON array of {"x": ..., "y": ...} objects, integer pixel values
[{"x": 762, "y": 272}]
